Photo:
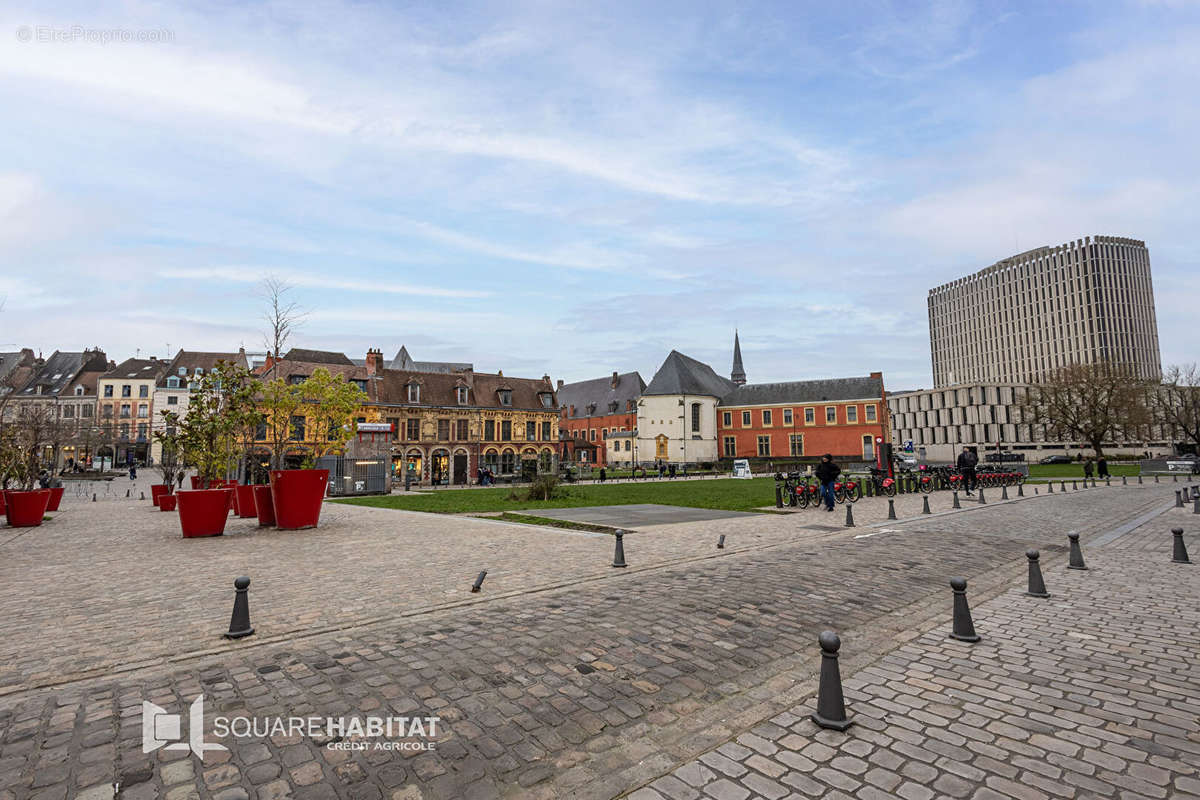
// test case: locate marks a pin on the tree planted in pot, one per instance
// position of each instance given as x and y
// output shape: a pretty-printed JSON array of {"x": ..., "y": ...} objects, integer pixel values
[
  {"x": 328, "y": 405},
  {"x": 170, "y": 463},
  {"x": 27, "y": 433}
]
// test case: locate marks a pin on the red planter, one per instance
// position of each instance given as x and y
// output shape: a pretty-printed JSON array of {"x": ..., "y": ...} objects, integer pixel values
[
  {"x": 26, "y": 509},
  {"x": 2, "y": 505},
  {"x": 167, "y": 502},
  {"x": 203, "y": 512},
  {"x": 55, "y": 498},
  {"x": 264, "y": 506},
  {"x": 297, "y": 495},
  {"x": 157, "y": 490},
  {"x": 245, "y": 501},
  {"x": 195, "y": 479}
]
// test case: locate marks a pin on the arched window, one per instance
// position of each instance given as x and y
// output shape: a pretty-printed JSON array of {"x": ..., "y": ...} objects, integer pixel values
[{"x": 508, "y": 461}]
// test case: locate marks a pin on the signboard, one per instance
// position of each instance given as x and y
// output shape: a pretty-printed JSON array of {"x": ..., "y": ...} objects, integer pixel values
[
  {"x": 374, "y": 427},
  {"x": 741, "y": 468}
]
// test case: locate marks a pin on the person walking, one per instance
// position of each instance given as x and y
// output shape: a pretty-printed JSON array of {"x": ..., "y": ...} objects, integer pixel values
[
  {"x": 1102, "y": 467},
  {"x": 966, "y": 467},
  {"x": 1087, "y": 468},
  {"x": 603, "y": 474},
  {"x": 827, "y": 472},
  {"x": 133, "y": 472}
]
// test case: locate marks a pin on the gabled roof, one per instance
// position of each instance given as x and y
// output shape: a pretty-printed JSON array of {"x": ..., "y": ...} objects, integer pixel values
[
  {"x": 60, "y": 371},
  {"x": 317, "y": 357},
  {"x": 144, "y": 368},
  {"x": 16, "y": 369},
  {"x": 439, "y": 389},
  {"x": 831, "y": 389},
  {"x": 601, "y": 393},
  {"x": 403, "y": 361},
  {"x": 680, "y": 374},
  {"x": 191, "y": 360}
]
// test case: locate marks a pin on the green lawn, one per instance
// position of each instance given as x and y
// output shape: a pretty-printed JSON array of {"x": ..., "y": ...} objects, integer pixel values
[
  {"x": 1076, "y": 470},
  {"x": 729, "y": 493}
]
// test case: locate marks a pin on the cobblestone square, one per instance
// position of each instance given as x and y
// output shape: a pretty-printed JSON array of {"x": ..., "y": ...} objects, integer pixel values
[{"x": 689, "y": 674}]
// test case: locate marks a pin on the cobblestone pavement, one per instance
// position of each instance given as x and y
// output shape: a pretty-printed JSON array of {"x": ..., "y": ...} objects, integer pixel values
[
  {"x": 591, "y": 688},
  {"x": 1093, "y": 692}
]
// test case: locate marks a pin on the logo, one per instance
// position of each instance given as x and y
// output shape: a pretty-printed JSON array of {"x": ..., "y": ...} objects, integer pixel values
[{"x": 159, "y": 728}]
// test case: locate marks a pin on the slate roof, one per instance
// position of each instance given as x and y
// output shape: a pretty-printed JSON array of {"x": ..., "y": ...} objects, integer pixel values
[
  {"x": 191, "y": 359},
  {"x": 601, "y": 393},
  {"x": 738, "y": 373},
  {"x": 61, "y": 370},
  {"x": 832, "y": 389},
  {"x": 317, "y": 356},
  {"x": 439, "y": 389},
  {"x": 146, "y": 368},
  {"x": 403, "y": 361},
  {"x": 15, "y": 368},
  {"x": 680, "y": 374}
]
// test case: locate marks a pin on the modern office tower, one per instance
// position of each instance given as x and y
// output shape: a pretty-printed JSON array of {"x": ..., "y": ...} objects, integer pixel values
[{"x": 1085, "y": 302}]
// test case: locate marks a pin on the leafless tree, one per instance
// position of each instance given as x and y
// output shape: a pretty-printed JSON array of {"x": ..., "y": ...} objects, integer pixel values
[
  {"x": 1177, "y": 402},
  {"x": 1093, "y": 403},
  {"x": 283, "y": 317}
]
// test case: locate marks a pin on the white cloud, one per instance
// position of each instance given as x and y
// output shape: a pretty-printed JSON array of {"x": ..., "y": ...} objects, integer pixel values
[{"x": 250, "y": 274}]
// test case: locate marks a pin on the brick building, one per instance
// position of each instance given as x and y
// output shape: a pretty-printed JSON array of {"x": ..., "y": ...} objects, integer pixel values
[
  {"x": 591, "y": 411},
  {"x": 842, "y": 416},
  {"x": 124, "y": 408}
]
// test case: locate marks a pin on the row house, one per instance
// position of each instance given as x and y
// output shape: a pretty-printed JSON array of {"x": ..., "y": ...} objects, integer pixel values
[
  {"x": 846, "y": 417},
  {"x": 171, "y": 389},
  {"x": 594, "y": 411},
  {"x": 124, "y": 397},
  {"x": 65, "y": 386}
]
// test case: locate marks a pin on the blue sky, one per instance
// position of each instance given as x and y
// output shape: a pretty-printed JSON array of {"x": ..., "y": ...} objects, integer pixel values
[{"x": 574, "y": 189}]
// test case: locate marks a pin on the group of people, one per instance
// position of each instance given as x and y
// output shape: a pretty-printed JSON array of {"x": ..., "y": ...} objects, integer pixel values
[{"x": 1100, "y": 466}]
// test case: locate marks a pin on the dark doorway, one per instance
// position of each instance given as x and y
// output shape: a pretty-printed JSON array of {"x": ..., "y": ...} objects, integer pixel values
[{"x": 460, "y": 468}]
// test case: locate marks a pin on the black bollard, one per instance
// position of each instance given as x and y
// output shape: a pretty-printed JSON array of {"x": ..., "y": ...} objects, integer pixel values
[
  {"x": 982, "y": 498},
  {"x": 239, "y": 623},
  {"x": 1062, "y": 486},
  {"x": 143, "y": 495},
  {"x": 964, "y": 627},
  {"x": 93, "y": 497},
  {"x": 1076, "y": 553},
  {"x": 925, "y": 505},
  {"x": 849, "y": 515},
  {"x": 1074, "y": 486},
  {"x": 1179, "y": 556},
  {"x": 721, "y": 542},
  {"x": 127, "y": 493},
  {"x": 1049, "y": 487},
  {"x": 1196, "y": 505},
  {"x": 831, "y": 704},
  {"x": 778, "y": 496},
  {"x": 891, "y": 508},
  {"x": 1178, "y": 499},
  {"x": 1035, "y": 490},
  {"x": 1124, "y": 480},
  {"x": 1174, "y": 479},
  {"x": 619, "y": 552},
  {"x": 956, "y": 503},
  {"x": 1107, "y": 480},
  {"x": 475, "y": 587},
  {"x": 1037, "y": 586},
  {"x": 1004, "y": 492}
]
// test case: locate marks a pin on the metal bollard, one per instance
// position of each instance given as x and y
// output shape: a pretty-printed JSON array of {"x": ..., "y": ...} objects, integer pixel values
[
  {"x": 1178, "y": 499},
  {"x": 849, "y": 515},
  {"x": 1179, "y": 554},
  {"x": 93, "y": 497},
  {"x": 1124, "y": 480},
  {"x": 239, "y": 622},
  {"x": 925, "y": 505},
  {"x": 1074, "y": 486},
  {"x": 964, "y": 626},
  {"x": 1196, "y": 505},
  {"x": 1004, "y": 492},
  {"x": 778, "y": 496},
  {"x": 1062, "y": 487},
  {"x": 1037, "y": 586},
  {"x": 127, "y": 493},
  {"x": 982, "y": 498},
  {"x": 619, "y": 551},
  {"x": 956, "y": 503},
  {"x": 1049, "y": 487},
  {"x": 891, "y": 508},
  {"x": 1020, "y": 490},
  {"x": 1076, "y": 561},
  {"x": 475, "y": 587},
  {"x": 721, "y": 542},
  {"x": 143, "y": 494},
  {"x": 831, "y": 703}
]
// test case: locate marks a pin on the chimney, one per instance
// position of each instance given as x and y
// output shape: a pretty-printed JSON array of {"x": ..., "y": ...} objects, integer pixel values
[
  {"x": 374, "y": 361},
  {"x": 560, "y": 384},
  {"x": 615, "y": 379}
]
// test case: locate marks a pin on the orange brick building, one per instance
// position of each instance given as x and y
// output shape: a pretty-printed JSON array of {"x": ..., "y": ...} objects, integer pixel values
[
  {"x": 842, "y": 416},
  {"x": 591, "y": 410}
]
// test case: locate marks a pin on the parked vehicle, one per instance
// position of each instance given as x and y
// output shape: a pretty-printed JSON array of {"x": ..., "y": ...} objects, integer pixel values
[{"x": 1056, "y": 460}]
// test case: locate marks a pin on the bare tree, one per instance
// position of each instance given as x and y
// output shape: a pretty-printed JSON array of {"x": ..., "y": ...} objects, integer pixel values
[
  {"x": 283, "y": 317},
  {"x": 1177, "y": 402},
  {"x": 1093, "y": 403}
]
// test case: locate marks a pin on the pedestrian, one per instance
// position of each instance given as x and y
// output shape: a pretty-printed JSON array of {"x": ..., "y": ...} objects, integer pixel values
[
  {"x": 827, "y": 472},
  {"x": 671, "y": 471},
  {"x": 1102, "y": 467},
  {"x": 180, "y": 477},
  {"x": 133, "y": 472},
  {"x": 44, "y": 480},
  {"x": 603, "y": 475},
  {"x": 966, "y": 467},
  {"x": 1087, "y": 468}
]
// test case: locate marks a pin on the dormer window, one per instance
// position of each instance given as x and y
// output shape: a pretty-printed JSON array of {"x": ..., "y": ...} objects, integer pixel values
[
  {"x": 461, "y": 394},
  {"x": 361, "y": 384},
  {"x": 547, "y": 399},
  {"x": 295, "y": 380},
  {"x": 182, "y": 371},
  {"x": 78, "y": 391},
  {"x": 591, "y": 409},
  {"x": 505, "y": 397},
  {"x": 612, "y": 407},
  {"x": 173, "y": 382},
  {"x": 414, "y": 392},
  {"x": 199, "y": 370}
]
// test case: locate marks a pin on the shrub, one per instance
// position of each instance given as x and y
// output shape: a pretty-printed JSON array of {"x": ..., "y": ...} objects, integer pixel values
[{"x": 544, "y": 487}]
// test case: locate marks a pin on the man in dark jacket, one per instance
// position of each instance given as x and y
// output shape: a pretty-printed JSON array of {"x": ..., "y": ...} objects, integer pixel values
[
  {"x": 827, "y": 472},
  {"x": 966, "y": 467},
  {"x": 1102, "y": 467}
]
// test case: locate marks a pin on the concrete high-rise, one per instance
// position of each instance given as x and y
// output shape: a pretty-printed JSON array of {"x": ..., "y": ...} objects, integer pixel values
[{"x": 1090, "y": 301}]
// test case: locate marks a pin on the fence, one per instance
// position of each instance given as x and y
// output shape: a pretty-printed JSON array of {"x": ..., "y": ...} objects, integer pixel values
[{"x": 349, "y": 476}]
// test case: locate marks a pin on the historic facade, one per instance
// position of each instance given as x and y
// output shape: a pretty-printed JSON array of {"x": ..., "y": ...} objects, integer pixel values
[
  {"x": 125, "y": 399},
  {"x": 842, "y": 416},
  {"x": 592, "y": 411},
  {"x": 170, "y": 392},
  {"x": 65, "y": 384},
  {"x": 677, "y": 419}
]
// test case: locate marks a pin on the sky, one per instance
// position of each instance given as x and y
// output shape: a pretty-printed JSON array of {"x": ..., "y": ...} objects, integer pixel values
[{"x": 576, "y": 188}]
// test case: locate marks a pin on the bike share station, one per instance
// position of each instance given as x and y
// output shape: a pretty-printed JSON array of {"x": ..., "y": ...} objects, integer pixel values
[{"x": 797, "y": 489}]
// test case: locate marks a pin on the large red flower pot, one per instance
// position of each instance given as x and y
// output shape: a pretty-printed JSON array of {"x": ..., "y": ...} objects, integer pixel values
[
  {"x": 167, "y": 502},
  {"x": 157, "y": 490},
  {"x": 2, "y": 505},
  {"x": 55, "y": 498},
  {"x": 297, "y": 495},
  {"x": 245, "y": 501},
  {"x": 26, "y": 509},
  {"x": 195, "y": 479},
  {"x": 264, "y": 506},
  {"x": 203, "y": 512}
]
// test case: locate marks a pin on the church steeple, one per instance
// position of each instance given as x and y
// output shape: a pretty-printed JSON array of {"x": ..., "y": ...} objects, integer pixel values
[{"x": 738, "y": 375}]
